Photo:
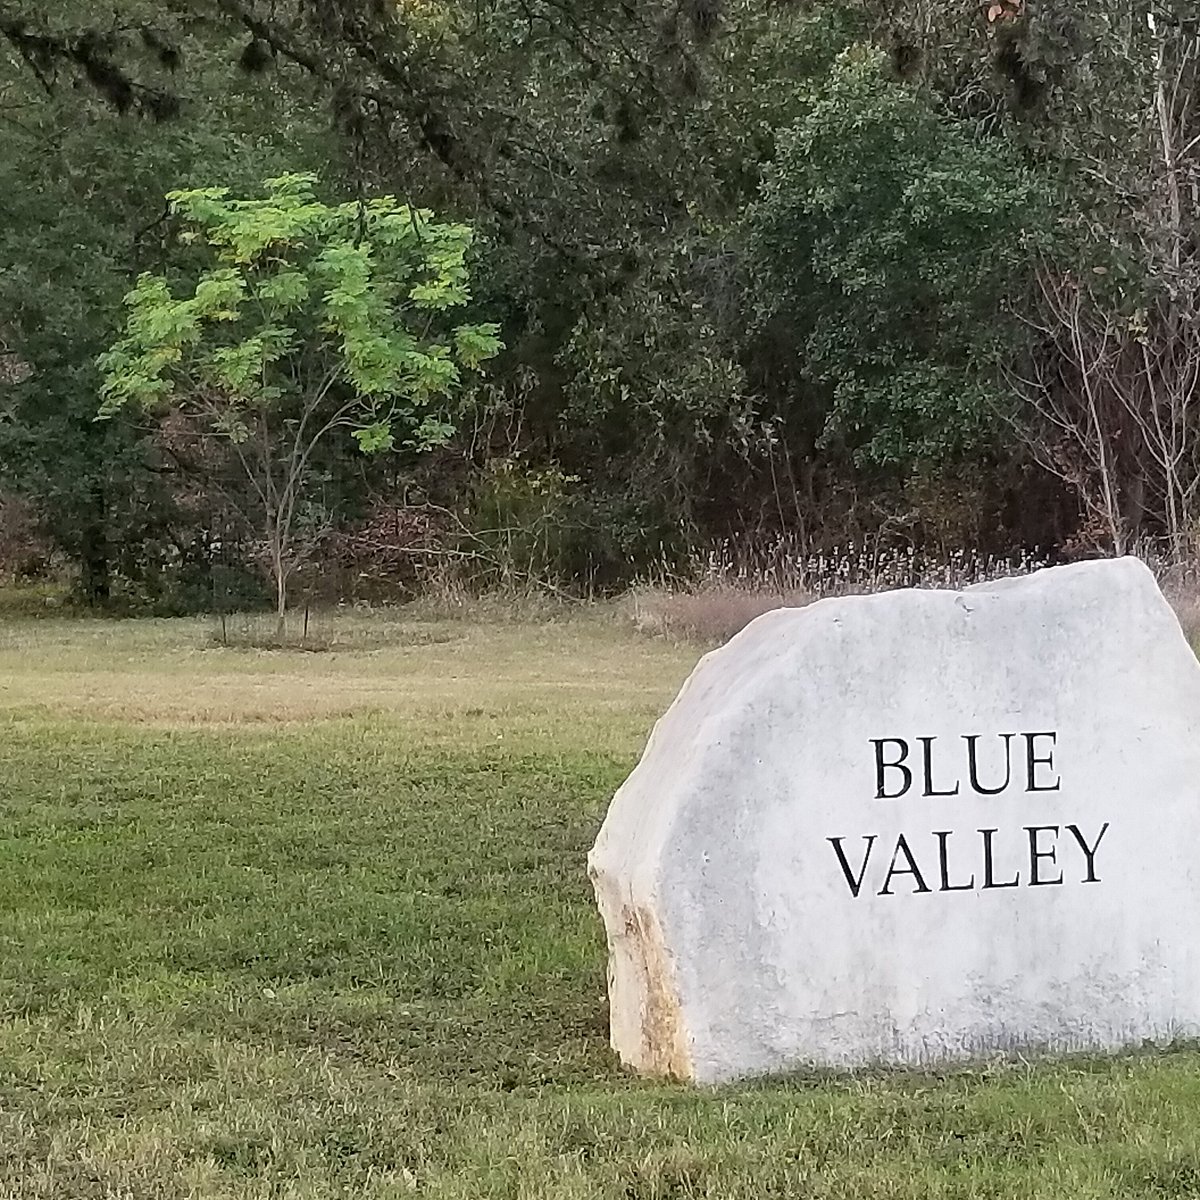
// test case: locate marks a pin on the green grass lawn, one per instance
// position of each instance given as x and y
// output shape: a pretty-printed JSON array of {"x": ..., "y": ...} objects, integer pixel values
[{"x": 317, "y": 925}]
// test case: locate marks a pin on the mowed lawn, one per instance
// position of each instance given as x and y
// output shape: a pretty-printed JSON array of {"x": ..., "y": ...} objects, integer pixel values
[{"x": 317, "y": 925}]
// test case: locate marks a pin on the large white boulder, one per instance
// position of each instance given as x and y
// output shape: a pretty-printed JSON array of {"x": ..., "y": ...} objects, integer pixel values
[{"x": 915, "y": 827}]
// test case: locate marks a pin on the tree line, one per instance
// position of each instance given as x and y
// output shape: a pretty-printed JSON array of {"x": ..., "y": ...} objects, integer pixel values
[{"x": 918, "y": 275}]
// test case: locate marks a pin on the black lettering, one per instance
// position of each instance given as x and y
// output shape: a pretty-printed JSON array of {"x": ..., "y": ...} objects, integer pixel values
[
  {"x": 1036, "y": 855},
  {"x": 927, "y": 754},
  {"x": 989, "y": 876},
  {"x": 947, "y": 886},
  {"x": 972, "y": 740},
  {"x": 854, "y": 884},
  {"x": 898, "y": 765},
  {"x": 911, "y": 869},
  {"x": 1033, "y": 762},
  {"x": 1089, "y": 851}
]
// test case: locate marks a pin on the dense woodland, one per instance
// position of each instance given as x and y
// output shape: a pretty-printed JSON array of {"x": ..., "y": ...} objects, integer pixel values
[{"x": 759, "y": 272}]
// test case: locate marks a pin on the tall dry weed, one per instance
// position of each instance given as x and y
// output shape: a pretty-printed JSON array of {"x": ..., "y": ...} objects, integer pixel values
[{"x": 734, "y": 584}]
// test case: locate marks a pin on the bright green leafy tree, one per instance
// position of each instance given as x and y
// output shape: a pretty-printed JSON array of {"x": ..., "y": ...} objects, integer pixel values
[{"x": 305, "y": 319}]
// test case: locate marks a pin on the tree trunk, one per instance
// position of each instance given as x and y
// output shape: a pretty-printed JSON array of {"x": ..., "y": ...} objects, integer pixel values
[
  {"x": 279, "y": 573},
  {"x": 280, "y": 601},
  {"x": 95, "y": 567},
  {"x": 1133, "y": 505}
]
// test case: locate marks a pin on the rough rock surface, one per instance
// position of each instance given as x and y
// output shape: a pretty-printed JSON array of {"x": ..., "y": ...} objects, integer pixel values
[{"x": 914, "y": 827}]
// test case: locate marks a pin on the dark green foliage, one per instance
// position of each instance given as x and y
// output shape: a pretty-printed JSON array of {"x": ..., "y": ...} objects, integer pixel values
[
  {"x": 888, "y": 241},
  {"x": 58, "y": 293},
  {"x": 95, "y": 53},
  {"x": 81, "y": 212},
  {"x": 762, "y": 267}
]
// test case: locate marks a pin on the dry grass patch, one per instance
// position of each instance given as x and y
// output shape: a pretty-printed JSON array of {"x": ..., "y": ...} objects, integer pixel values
[
  {"x": 712, "y": 611},
  {"x": 710, "y": 614},
  {"x": 583, "y": 680}
]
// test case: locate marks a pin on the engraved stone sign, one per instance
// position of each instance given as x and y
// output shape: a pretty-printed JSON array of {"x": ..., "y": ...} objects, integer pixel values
[{"x": 915, "y": 827}]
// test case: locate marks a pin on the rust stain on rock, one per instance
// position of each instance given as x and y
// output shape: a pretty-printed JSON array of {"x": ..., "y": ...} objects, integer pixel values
[
  {"x": 664, "y": 1048},
  {"x": 647, "y": 1026}
]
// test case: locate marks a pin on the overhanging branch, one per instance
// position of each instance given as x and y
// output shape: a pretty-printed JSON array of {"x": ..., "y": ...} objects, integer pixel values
[{"x": 88, "y": 54}]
